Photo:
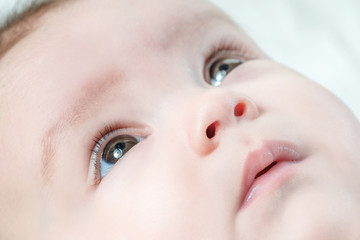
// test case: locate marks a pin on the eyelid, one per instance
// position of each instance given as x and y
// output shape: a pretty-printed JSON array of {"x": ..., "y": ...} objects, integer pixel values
[
  {"x": 107, "y": 137},
  {"x": 100, "y": 141},
  {"x": 230, "y": 44},
  {"x": 227, "y": 47},
  {"x": 226, "y": 54}
]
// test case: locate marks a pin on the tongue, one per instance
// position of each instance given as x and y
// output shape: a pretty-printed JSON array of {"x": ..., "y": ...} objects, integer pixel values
[{"x": 265, "y": 170}]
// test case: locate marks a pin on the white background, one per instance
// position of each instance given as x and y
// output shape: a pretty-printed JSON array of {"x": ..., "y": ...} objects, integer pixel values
[{"x": 319, "y": 38}]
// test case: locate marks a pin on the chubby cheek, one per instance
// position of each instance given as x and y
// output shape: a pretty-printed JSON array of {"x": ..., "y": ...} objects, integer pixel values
[
  {"x": 135, "y": 199},
  {"x": 315, "y": 214},
  {"x": 153, "y": 195}
]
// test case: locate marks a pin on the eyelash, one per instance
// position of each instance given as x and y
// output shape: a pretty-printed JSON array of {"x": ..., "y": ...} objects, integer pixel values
[
  {"x": 98, "y": 139},
  {"x": 94, "y": 150},
  {"x": 229, "y": 45}
]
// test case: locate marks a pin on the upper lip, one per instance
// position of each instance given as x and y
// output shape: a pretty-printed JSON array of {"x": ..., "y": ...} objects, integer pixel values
[{"x": 262, "y": 159}]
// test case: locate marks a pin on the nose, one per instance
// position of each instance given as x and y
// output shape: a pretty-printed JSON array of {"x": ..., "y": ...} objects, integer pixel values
[{"x": 211, "y": 113}]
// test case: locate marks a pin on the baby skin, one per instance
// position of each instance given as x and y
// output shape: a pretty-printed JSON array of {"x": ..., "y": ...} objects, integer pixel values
[{"x": 120, "y": 121}]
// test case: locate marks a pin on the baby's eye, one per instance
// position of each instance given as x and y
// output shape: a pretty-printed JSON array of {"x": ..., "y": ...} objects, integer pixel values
[
  {"x": 220, "y": 68},
  {"x": 109, "y": 150},
  {"x": 114, "y": 150}
]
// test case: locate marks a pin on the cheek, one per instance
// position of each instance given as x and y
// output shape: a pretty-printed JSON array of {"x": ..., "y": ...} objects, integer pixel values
[
  {"x": 154, "y": 194},
  {"x": 315, "y": 215},
  {"x": 21, "y": 194}
]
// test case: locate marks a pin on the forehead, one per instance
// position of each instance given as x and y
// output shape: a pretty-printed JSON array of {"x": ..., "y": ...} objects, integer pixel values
[
  {"x": 135, "y": 17},
  {"x": 114, "y": 26},
  {"x": 154, "y": 23}
]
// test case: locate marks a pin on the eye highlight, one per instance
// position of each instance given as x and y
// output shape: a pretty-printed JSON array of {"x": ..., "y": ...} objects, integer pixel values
[{"x": 220, "y": 68}]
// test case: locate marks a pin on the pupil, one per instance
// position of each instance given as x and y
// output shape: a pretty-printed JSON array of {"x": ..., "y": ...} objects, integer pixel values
[
  {"x": 120, "y": 146},
  {"x": 224, "y": 67}
]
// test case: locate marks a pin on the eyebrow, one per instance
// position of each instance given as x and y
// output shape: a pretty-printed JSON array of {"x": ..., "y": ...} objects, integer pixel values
[{"x": 97, "y": 88}]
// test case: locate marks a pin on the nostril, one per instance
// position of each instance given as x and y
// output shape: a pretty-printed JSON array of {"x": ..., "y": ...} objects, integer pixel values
[
  {"x": 211, "y": 130},
  {"x": 239, "y": 109}
]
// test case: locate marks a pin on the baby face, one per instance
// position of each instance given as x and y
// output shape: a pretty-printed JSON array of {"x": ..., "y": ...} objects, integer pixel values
[{"x": 164, "y": 121}]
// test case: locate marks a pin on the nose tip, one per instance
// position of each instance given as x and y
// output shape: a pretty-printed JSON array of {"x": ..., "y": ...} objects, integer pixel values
[{"x": 214, "y": 112}]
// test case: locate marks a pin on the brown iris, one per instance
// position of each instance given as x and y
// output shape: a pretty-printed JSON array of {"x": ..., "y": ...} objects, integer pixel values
[
  {"x": 220, "y": 68},
  {"x": 117, "y": 147}
]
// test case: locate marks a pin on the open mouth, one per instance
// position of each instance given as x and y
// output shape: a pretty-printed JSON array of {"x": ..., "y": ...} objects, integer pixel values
[{"x": 266, "y": 168}]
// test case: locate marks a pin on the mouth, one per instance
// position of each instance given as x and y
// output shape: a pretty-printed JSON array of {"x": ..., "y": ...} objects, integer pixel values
[{"x": 266, "y": 168}]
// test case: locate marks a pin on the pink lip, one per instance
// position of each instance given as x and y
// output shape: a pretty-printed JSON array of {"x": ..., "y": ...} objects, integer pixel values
[{"x": 266, "y": 168}]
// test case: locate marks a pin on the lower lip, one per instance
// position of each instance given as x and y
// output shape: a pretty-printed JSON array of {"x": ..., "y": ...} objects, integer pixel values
[{"x": 270, "y": 181}]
